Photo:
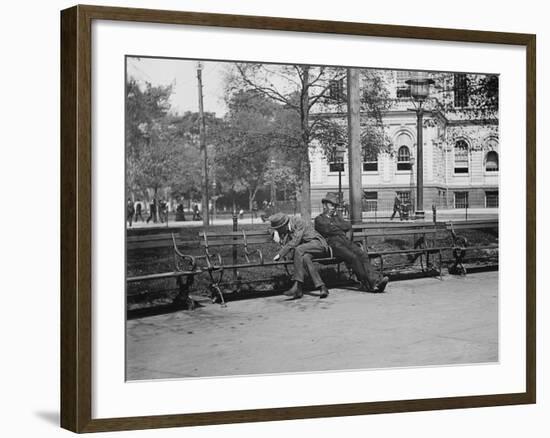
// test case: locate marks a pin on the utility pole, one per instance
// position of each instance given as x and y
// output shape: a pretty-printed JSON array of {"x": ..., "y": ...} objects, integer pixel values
[
  {"x": 205, "y": 200},
  {"x": 354, "y": 146}
]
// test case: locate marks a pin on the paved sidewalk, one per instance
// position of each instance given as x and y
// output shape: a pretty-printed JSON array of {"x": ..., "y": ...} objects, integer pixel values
[
  {"x": 383, "y": 216},
  {"x": 415, "y": 323}
]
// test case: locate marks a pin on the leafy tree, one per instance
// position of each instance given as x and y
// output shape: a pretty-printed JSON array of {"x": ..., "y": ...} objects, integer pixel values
[
  {"x": 298, "y": 88},
  {"x": 162, "y": 149},
  {"x": 157, "y": 161},
  {"x": 145, "y": 112},
  {"x": 375, "y": 100},
  {"x": 246, "y": 142},
  {"x": 187, "y": 178}
]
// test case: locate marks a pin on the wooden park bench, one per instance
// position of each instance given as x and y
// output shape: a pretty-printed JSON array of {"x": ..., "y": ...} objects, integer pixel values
[
  {"x": 461, "y": 246},
  {"x": 186, "y": 266},
  {"x": 224, "y": 253},
  {"x": 247, "y": 250},
  {"x": 422, "y": 246}
]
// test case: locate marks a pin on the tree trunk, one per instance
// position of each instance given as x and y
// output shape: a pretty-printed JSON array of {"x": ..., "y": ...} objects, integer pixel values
[
  {"x": 305, "y": 166},
  {"x": 305, "y": 192},
  {"x": 251, "y": 198}
]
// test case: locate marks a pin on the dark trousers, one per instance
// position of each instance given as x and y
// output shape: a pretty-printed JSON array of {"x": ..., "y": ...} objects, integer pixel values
[
  {"x": 303, "y": 260},
  {"x": 397, "y": 210},
  {"x": 352, "y": 255}
]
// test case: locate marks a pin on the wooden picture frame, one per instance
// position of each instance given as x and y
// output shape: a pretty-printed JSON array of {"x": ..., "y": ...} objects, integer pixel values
[{"x": 76, "y": 218}]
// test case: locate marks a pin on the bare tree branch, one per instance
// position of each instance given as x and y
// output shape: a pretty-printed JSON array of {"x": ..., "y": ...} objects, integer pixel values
[
  {"x": 315, "y": 98},
  {"x": 270, "y": 92}
]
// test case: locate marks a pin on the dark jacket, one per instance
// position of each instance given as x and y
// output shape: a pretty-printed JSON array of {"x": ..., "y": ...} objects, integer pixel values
[
  {"x": 332, "y": 226},
  {"x": 300, "y": 232}
]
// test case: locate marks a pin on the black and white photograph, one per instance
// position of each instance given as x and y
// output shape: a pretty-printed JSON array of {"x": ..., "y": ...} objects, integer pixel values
[{"x": 288, "y": 218}]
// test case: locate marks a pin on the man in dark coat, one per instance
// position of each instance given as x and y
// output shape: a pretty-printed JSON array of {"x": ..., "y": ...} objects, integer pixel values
[
  {"x": 163, "y": 211},
  {"x": 196, "y": 213},
  {"x": 152, "y": 211},
  {"x": 397, "y": 207},
  {"x": 298, "y": 235},
  {"x": 138, "y": 212},
  {"x": 180, "y": 213},
  {"x": 331, "y": 226},
  {"x": 130, "y": 211}
]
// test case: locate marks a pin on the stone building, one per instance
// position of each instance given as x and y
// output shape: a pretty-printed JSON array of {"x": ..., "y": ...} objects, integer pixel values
[{"x": 461, "y": 149}]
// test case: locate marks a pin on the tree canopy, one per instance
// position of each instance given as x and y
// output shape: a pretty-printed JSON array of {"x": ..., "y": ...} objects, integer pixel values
[
  {"x": 162, "y": 149},
  {"x": 250, "y": 138}
]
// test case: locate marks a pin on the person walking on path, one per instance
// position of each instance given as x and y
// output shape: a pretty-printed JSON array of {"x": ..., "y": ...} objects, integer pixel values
[
  {"x": 163, "y": 211},
  {"x": 397, "y": 207},
  {"x": 130, "y": 211},
  {"x": 196, "y": 213},
  {"x": 333, "y": 228},
  {"x": 152, "y": 211},
  {"x": 298, "y": 235},
  {"x": 254, "y": 209},
  {"x": 138, "y": 212}
]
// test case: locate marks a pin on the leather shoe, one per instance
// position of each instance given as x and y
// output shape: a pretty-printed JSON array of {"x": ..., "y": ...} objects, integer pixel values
[
  {"x": 381, "y": 285},
  {"x": 295, "y": 291},
  {"x": 324, "y": 292},
  {"x": 366, "y": 287}
]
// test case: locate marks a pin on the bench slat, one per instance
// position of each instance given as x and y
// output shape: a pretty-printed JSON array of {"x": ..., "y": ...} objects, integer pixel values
[
  {"x": 392, "y": 233},
  {"x": 210, "y": 234},
  {"x": 228, "y": 242}
]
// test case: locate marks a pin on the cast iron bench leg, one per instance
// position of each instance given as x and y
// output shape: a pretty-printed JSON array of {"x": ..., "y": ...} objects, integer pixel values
[{"x": 183, "y": 294}]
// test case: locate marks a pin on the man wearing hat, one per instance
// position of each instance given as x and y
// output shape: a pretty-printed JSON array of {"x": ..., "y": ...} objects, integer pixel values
[
  {"x": 298, "y": 235},
  {"x": 333, "y": 227}
]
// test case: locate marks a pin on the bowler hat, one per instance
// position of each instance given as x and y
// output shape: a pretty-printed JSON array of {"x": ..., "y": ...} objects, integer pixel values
[
  {"x": 278, "y": 220},
  {"x": 331, "y": 198}
]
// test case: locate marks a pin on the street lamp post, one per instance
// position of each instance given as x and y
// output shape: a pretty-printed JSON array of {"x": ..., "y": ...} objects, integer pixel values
[
  {"x": 337, "y": 165},
  {"x": 273, "y": 193},
  {"x": 420, "y": 89}
]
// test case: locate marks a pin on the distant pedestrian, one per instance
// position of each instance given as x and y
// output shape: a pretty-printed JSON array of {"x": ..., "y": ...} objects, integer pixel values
[
  {"x": 138, "y": 212},
  {"x": 180, "y": 213},
  {"x": 152, "y": 211},
  {"x": 254, "y": 209},
  {"x": 163, "y": 211},
  {"x": 196, "y": 213},
  {"x": 130, "y": 211},
  {"x": 397, "y": 207}
]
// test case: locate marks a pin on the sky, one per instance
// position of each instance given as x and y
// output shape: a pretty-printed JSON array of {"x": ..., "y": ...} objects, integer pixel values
[{"x": 183, "y": 75}]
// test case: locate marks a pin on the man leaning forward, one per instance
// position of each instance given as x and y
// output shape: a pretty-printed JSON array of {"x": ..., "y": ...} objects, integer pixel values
[{"x": 298, "y": 235}]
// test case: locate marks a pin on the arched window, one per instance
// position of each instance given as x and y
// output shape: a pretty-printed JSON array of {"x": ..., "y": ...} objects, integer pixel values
[
  {"x": 403, "y": 158},
  {"x": 491, "y": 161},
  {"x": 461, "y": 157}
]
